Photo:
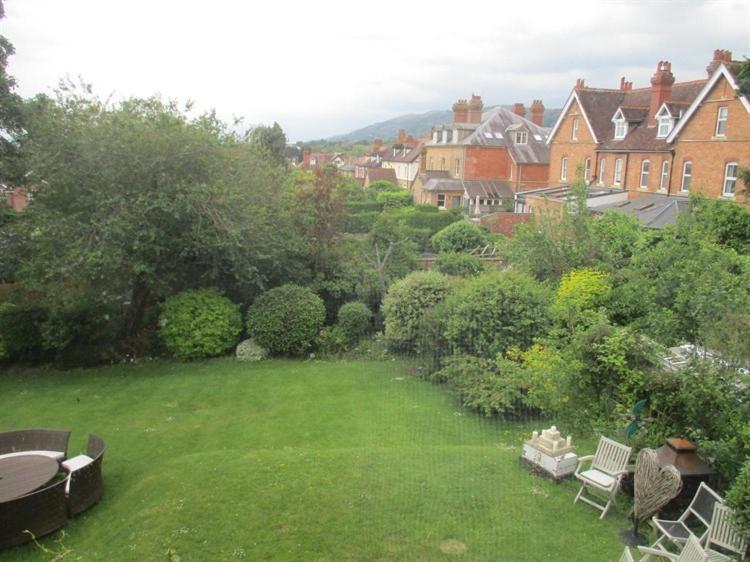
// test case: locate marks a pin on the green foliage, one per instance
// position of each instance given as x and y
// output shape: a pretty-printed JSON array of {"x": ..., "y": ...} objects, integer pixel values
[
  {"x": 743, "y": 78},
  {"x": 738, "y": 498},
  {"x": 332, "y": 341},
  {"x": 249, "y": 350},
  {"x": 547, "y": 373},
  {"x": 11, "y": 118},
  {"x": 579, "y": 291},
  {"x": 21, "y": 331},
  {"x": 355, "y": 319},
  {"x": 406, "y": 302},
  {"x": 272, "y": 139},
  {"x": 286, "y": 320},
  {"x": 462, "y": 236},
  {"x": 459, "y": 264},
  {"x": 496, "y": 311},
  {"x": 382, "y": 186},
  {"x": 199, "y": 323},
  {"x": 485, "y": 385},
  {"x": 394, "y": 199},
  {"x": 360, "y": 223},
  {"x": 724, "y": 222}
]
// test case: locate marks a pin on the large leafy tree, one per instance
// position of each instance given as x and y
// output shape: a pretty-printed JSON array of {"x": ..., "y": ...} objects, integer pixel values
[
  {"x": 136, "y": 200},
  {"x": 11, "y": 116}
]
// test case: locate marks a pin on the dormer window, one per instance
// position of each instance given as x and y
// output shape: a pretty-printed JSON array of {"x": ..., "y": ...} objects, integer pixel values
[
  {"x": 445, "y": 135},
  {"x": 664, "y": 122},
  {"x": 434, "y": 136},
  {"x": 454, "y": 140},
  {"x": 621, "y": 126},
  {"x": 522, "y": 137}
]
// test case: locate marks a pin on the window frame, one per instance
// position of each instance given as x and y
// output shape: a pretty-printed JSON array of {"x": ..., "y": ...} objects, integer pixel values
[
  {"x": 664, "y": 122},
  {"x": 457, "y": 166},
  {"x": 685, "y": 175},
  {"x": 617, "y": 178},
  {"x": 602, "y": 170},
  {"x": 574, "y": 132},
  {"x": 439, "y": 196},
  {"x": 564, "y": 169},
  {"x": 645, "y": 171},
  {"x": 587, "y": 169},
  {"x": 721, "y": 122},
  {"x": 732, "y": 179},
  {"x": 522, "y": 137},
  {"x": 621, "y": 123},
  {"x": 663, "y": 185}
]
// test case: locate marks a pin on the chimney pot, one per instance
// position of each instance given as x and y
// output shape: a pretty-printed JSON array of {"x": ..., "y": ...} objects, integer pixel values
[
  {"x": 661, "y": 89},
  {"x": 519, "y": 109},
  {"x": 537, "y": 112}
]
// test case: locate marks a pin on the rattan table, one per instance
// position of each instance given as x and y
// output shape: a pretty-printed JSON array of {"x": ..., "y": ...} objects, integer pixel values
[{"x": 25, "y": 473}]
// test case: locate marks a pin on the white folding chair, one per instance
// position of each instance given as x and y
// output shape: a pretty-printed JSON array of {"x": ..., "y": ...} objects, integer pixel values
[
  {"x": 723, "y": 535},
  {"x": 607, "y": 469},
  {"x": 691, "y": 552}
]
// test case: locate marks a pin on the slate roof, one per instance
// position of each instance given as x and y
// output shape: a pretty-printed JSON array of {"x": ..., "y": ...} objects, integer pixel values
[
  {"x": 441, "y": 182},
  {"x": 412, "y": 153},
  {"x": 600, "y": 105},
  {"x": 497, "y": 129},
  {"x": 652, "y": 211}
]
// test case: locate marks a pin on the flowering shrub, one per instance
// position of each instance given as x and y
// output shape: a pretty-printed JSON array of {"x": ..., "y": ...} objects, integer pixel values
[{"x": 248, "y": 350}]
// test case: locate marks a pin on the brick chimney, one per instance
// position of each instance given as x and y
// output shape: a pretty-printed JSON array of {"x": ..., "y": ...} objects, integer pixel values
[
  {"x": 461, "y": 111},
  {"x": 720, "y": 56},
  {"x": 580, "y": 84},
  {"x": 401, "y": 138},
  {"x": 537, "y": 112},
  {"x": 377, "y": 145},
  {"x": 625, "y": 85},
  {"x": 305, "y": 157},
  {"x": 519, "y": 109},
  {"x": 475, "y": 109},
  {"x": 661, "y": 89}
]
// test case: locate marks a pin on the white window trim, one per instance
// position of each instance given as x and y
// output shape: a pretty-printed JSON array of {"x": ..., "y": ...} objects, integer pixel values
[
  {"x": 522, "y": 137},
  {"x": 720, "y": 120},
  {"x": 564, "y": 169},
  {"x": 665, "y": 122},
  {"x": 686, "y": 175},
  {"x": 587, "y": 169},
  {"x": 619, "y": 120},
  {"x": 439, "y": 206},
  {"x": 617, "y": 180},
  {"x": 574, "y": 133},
  {"x": 727, "y": 178},
  {"x": 445, "y": 136},
  {"x": 602, "y": 170},
  {"x": 645, "y": 164},
  {"x": 664, "y": 176}
]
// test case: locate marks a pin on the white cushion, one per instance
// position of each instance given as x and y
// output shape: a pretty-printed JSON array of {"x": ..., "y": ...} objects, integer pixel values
[
  {"x": 76, "y": 463},
  {"x": 599, "y": 478},
  {"x": 57, "y": 455}
]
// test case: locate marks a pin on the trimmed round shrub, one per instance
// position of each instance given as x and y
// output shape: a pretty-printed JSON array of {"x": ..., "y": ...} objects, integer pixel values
[
  {"x": 354, "y": 319},
  {"x": 459, "y": 265},
  {"x": 199, "y": 323},
  {"x": 286, "y": 320},
  {"x": 406, "y": 302},
  {"x": 248, "y": 350},
  {"x": 461, "y": 236},
  {"x": 496, "y": 311},
  {"x": 394, "y": 199}
]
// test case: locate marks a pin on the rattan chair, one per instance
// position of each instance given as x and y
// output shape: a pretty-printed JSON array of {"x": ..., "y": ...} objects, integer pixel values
[
  {"x": 41, "y": 512},
  {"x": 85, "y": 485},
  {"x": 53, "y": 442}
]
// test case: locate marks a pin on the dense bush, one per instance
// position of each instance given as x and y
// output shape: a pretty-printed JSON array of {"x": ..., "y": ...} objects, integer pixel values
[
  {"x": 462, "y": 236},
  {"x": 286, "y": 320},
  {"x": 21, "y": 331},
  {"x": 382, "y": 186},
  {"x": 405, "y": 304},
  {"x": 199, "y": 323},
  {"x": 496, "y": 311},
  {"x": 459, "y": 264},
  {"x": 332, "y": 340},
  {"x": 248, "y": 350},
  {"x": 354, "y": 319},
  {"x": 394, "y": 199},
  {"x": 579, "y": 291},
  {"x": 360, "y": 223},
  {"x": 738, "y": 498}
]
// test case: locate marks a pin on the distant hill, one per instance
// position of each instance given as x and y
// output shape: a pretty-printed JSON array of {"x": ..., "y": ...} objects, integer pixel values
[{"x": 416, "y": 124}]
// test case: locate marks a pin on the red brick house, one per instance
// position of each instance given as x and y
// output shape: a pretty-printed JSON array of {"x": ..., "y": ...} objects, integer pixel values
[
  {"x": 482, "y": 159},
  {"x": 673, "y": 138}
]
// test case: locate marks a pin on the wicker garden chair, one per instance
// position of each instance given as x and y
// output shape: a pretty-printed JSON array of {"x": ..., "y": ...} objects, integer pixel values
[
  {"x": 723, "y": 535},
  {"x": 84, "y": 483},
  {"x": 696, "y": 519},
  {"x": 607, "y": 469},
  {"x": 41, "y": 512},
  {"x": 692, "y": 552},
  {"x": 50, "y": 442}
]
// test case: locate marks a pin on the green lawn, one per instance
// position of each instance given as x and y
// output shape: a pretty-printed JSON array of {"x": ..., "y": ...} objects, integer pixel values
[{"x": 286, "y": 460}]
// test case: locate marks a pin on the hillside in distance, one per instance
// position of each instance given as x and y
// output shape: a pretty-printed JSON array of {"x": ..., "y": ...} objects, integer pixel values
[{"x": 416, "y": 124}]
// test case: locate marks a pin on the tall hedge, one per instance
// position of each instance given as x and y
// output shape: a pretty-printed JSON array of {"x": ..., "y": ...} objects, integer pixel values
[
  {"x": 405, "y": 304},
  {"x": 199, "y": 323},
  {"x": 286, "y": 320}
]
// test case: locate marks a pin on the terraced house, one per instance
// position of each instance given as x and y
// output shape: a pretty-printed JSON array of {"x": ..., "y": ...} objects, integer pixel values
[
  {"x": 482, "y": 159},
  {"x": 670, "y": 139}
]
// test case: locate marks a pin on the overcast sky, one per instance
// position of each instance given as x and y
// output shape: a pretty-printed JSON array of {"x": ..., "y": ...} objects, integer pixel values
[{"x": 327, "y": 67}]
